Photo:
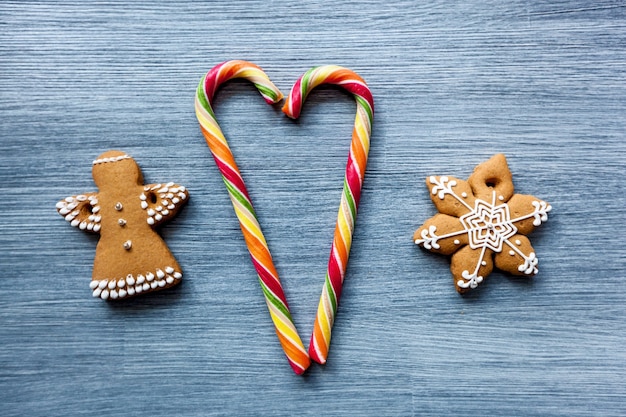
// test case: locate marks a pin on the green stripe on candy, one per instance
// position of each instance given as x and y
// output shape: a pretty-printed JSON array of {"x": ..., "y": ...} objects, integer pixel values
[
  {"x": 349, "y": 198},
  {"x": 331, "y": 294},
  {"x": 274, "y": 300},
  {"x": 239, "y": 196},
  {"x": 202, "y": 98},
  {"x": 367, "y": 107}
]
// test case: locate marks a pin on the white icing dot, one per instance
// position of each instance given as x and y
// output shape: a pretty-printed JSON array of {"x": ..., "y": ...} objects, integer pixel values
[
  {"x": 142, "y": 197},
  {"x": 114, "y": 294},
  {"x": 151, "y": 212},
  {"x": 149, "y": 276},
  {"x": 511, "y": 253},
  {"x": 75, "y": 223},
  {"x": 81, "y": 197},
  {"x": 170, "y": 195},
  {"x": 161, "y": 283},
  {"x": 158, "y": 217},
  {"x": 178, "y": 275},
  {"x": 95, "y": 209},
  {"x": 69, "y": 199},
  {"x": 160, "y": 274},
  {"x": 171, "y": 207},
  {"x": 182, "y": 196},
  {"x": 169, "y": 270},
  {"x": 103, "y": 284},
  {"x": 130, "y": 280},
  {"x": 518, "y": 242},
  {"x": 464, "y": 194},
  {"x": 457, "y": 241},
  {"x": 90, "y": 226},
  {"x": 140, "y": 279},
  {"x": 169, "y": 279},
  {"x": 175, "y": 200},
  {"x": 104, "y": 294},
  {"x": 121, "y": 222},
  {"x": 169, "y": 184},
  {"x": 501, "y": 198},
  {"x": 144, "y": 205},
  {"x": 96, "y": 293},
  {"x": 165, "y": 212},
  {"x": 60, "y": 205},
  {"x": 131, "y": 291},
  {"x": 138, "y": 288},
  {"x": 121, "y": 283},
  {"x": 128, "y": 244},
  {"x": 154, "y": 284},
  {"x": 93, "y": 284},
  {"x": 150, "y": 221},
  {"x": 111, "y": 284},
  {"x": 82, "y": 226},
  {"x": 118, "y": 206},
  {"x": 147, "y": 286},
  {"x": 483, "y": 263},
  {"x": 123, "y": 293},
  {"x": 96, "y": 228}
]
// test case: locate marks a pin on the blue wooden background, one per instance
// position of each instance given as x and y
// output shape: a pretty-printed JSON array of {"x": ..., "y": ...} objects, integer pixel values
[{"x": 454, "y": 82}]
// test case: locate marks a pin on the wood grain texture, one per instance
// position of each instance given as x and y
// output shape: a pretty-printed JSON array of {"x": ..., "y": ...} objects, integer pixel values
[{"x": 542, "y": 82}]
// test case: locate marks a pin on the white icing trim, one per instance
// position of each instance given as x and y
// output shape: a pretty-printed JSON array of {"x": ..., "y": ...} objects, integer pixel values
[
  {"x": 115, "y": 288},
  {"x": 111, "y": 159}
]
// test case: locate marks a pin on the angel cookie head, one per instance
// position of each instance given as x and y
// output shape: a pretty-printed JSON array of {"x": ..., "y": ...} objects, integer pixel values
[
  {"x": 131, "y": 258},
  {"x": 482, "y": 223}
]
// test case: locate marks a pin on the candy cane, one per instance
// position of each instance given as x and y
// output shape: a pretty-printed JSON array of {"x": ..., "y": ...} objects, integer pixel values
[
  {"x": 353, "y": 181},
  {"x": 255, "y": 241}
]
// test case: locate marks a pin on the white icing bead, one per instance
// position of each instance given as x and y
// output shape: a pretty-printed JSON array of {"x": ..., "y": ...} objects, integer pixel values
[
  {"x": 121, "y": 222},
  {"x": 150, "y": 221},
  {"x": 128, "y": 245},
  {"x": 93, "y": 284},
  {"x": 103, "y": 284},
  {"x": 171, "y": 207},
  {"x": 118, "y": 206},
  {"x": 511, "y": 253},
  {"x": 138, "y": 288},
  {"x": 165, "y": 203},
  {"x": 130, "y": 280},
  {"x": 114, "y": 294},
  {"x": 518, "y": 242},
  {"x": 175, "y": 200},
  {"x": 75, "y": 223},
  {"x": 158, "y": 217},
  {"x": 131, "y": 291},
  {"x": 501, "y": 198},
  {"x": 149, "y": 276},
  {"x": 144, "y": 205},
  {"x": 161, "y": 283},
  {"x": 60, "y": 205},
  {"x": 158, "y": 208},
  {"x": 151, "y": 212},
  {"x": 169, "y": 184},
  {"x": 121, "y": 283},
  {"x": 142, "y": 197},
  {"x": 483, "y": 263},
  {"x": 140, "y": 279},
  {"x": 160, "y": 274},
  {"x": 96, "y": 228},
  {"x": 165, "y": 212},
  {"x": 178, "y": 275},
  {"x": 95, "y": 209},
  {"x": 69, "y": 199},
  {"x": 64, "y": 211},
  {"x": 457, "y": 242},
  {"x": 81, "y": 197},
  {"x": 146, "y": 188},
  {"x": 111, "y": 284},
  {"x": 182, "y": 196},
  {"x": 104, "y": 294},
  {"x": 146, "y": 286},
  {"x": 90, "y": 226},
  {"x": 96, "y": 293},
  {"x": 181, "y": 188},
  {"x": 82, "y": 226},
  {"x": 123, "y": 293},
  {"x": 163, "y": 190},
  {"x": 154, "y": 284},
  {"x": 169, "y": 270},
  {"x": 169, "y": 279},
  {"x": 93, "y": 201},
  {"x": 170, "y": 195}
]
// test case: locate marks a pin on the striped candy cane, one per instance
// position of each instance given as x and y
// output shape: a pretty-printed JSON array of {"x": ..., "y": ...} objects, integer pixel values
[
  {"x": 353, "y": 181},
  {"x": 255, "y": 241}
]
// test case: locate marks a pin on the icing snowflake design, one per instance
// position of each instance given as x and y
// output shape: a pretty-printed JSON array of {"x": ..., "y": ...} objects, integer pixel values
[{"x": 482, "y": 221}]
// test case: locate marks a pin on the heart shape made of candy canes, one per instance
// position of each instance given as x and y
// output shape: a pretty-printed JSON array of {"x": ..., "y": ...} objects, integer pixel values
[{"x": 275, "y": 297}]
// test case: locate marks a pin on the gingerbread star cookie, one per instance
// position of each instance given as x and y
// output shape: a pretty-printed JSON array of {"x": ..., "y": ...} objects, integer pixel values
[
  {"x": 482, "y": 223},
  {"x": 131, "y": 258}
]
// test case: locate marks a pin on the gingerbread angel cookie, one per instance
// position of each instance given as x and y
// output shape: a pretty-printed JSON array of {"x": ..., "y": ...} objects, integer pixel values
[
  {"x": 131, "y": 258},
  {"x": 481, "y": 222}
]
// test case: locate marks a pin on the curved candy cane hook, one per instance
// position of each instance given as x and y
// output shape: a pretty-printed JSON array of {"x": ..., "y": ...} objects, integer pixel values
[
  {"x": 255, "y": 241},
  {"x": 353, "y": 181}
]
